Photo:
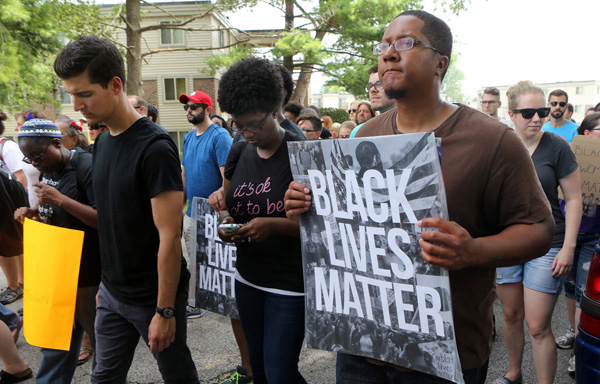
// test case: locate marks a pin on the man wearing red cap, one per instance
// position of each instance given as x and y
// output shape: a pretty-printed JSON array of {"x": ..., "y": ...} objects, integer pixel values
[{"x": 205, "y": 150}]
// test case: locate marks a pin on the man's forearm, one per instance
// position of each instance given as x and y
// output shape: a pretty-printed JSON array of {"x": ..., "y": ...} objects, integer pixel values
[
  {"x": 516, "y": 244},
  {"x": 169, "y": 267}
]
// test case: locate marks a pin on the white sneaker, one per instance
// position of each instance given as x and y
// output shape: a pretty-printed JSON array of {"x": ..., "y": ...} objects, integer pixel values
[
  {"x": 567, "y": 340},
  {"x": 571, "y": 367}
]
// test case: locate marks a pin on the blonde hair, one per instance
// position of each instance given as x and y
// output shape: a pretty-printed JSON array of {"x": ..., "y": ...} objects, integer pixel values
[{"x": 525, "y": 87}]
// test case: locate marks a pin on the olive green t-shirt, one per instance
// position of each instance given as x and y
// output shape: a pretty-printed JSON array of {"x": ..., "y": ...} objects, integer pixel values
[{"x": 490, "y": 185}]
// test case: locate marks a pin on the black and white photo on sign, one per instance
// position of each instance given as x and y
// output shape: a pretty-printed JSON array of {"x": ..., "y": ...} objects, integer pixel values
[
  {"x": 368, "y": 290},
  {"x": 212, "y": 277}
]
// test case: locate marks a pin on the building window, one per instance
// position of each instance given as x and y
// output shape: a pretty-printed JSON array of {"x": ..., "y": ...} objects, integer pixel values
[
  {"x": 170, "y": 36},
  {"x": 579, "y": 90},
  {"x": 577, "y": 108},
  {"x": 222, "y": 39},
  {"x": 174, "y": 88},
  {"x": 65, "y": 97}
]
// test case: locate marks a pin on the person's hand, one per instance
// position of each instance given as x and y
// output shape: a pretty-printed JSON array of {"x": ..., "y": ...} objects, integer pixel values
[
  {"x": 48, "y": 195},
  {"x": 217, "y": 200},
  {"x": 297, "y": 200},
  {"x": 161, "y": 333},
  {"x": 563, "y": 262},
  {"x": 258, "y": 229},
  {"x": 226, "y": 236},
  {"x": 25, "y": 212},
  {"x": 454, "y": 247}
]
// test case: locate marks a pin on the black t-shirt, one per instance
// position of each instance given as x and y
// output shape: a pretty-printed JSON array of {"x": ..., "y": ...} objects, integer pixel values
[
  {"x": 75, "y": 181},
  {"x": 129, "y": 170},
  {"x": 257, "y": 189},
  {"x": 12, "y": 196},
  {"x": 554, "y": 160}
]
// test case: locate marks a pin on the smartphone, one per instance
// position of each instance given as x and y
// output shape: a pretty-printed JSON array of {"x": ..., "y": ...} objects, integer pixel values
[{"x": 229, "y": 227}]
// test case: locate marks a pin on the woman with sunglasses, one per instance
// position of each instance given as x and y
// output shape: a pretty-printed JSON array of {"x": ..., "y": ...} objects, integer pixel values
[
  {"x": 269, "y": 286},
  {"x": 65, "y": 199},
  {"x": 529, "y": 291}
]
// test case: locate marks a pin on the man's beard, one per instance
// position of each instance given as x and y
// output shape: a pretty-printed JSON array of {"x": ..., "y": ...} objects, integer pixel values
[
  {"x": 558, "y": 114},
  {"x": 395, "y": 94},
  {"x": 198, "y": 119}
]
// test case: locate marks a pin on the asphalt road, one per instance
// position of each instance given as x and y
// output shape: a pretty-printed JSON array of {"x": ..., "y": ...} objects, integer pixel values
[{"x": 215, "y": 353}]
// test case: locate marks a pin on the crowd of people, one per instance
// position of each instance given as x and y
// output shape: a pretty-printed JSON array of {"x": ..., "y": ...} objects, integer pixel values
[{"x": 508, "y": 231}]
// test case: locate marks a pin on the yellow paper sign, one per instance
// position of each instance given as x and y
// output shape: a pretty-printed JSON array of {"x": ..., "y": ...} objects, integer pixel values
[{"x": 51, "y": 264}]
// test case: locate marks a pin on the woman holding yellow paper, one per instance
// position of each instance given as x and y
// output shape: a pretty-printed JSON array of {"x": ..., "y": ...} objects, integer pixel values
[{"x": 65, "y": 199}]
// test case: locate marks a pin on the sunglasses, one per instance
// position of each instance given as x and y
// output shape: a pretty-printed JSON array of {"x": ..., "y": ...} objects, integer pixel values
[
  {"x": 250, "y": 128},
  {"x": 352, "y": 110},
  {"x": 528, "y": 113},
  {"x": 561, "y": 103},
  {"x": 192, "y": 106},
  {"x": 488, "y": 101},
  {"x": 36, "y": 159},
  {"x": 94, "y": 127}
]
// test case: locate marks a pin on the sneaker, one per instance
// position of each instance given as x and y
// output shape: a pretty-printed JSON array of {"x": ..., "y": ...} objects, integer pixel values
[
  {"x": 567, "y": 340},
  {"x": 193, "y": 313},
  {"x": 571, "y": 367},
  {"x": 11, "y": 295},
  {"x": 239, "y": 377}
]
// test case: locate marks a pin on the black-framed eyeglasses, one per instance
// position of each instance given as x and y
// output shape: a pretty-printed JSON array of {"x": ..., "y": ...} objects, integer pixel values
[
  {"x": 137, "y": 107},
  {"x": 528, "y": 113},
  {"x": 37, "y": 159},
  {"x": 192, "y": 106},
  {"x": 352, "y": 110},
  {"x": 561, "y": 103},
  {"x": 488, "y": 102},
  {"x": 401, "y": 45},
  {"x": 251, "y": 128},
  {"x": 378, "y": 86}
]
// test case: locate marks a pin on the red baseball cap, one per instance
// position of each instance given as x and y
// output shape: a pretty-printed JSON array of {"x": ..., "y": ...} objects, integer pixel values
[{"x": 197, "y": 97}]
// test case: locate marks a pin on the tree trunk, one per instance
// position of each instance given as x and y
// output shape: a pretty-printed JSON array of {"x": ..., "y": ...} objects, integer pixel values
[
  {"x": 300, "y": 94},
  {"x": 134, "y": 48},
  {"x": 288, "y": 61}
]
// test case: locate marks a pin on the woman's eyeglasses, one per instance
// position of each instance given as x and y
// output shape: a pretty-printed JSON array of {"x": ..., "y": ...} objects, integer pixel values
[
  {"x": 352, "y": 110},
  {"x": 528, "y": 113},
  {"x": 36, "y": 159},
  {"x": 250, "y": 128}
]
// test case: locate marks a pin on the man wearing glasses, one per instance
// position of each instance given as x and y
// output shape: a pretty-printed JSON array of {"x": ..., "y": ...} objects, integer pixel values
[
  {"x": 379, "y": 100},
  {"x": 490, "y": 224},
  {"x": 205, "y": 150},
  {"x": 557, "y": 101},
  {"x": 490, "y": 103}
]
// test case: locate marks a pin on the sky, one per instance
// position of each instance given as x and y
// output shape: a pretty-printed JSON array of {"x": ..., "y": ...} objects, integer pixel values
[{"x": 501, "y": 42}]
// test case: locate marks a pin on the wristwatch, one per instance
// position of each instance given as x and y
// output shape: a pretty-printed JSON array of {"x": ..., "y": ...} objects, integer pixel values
[{"x": 167, "y": 312}]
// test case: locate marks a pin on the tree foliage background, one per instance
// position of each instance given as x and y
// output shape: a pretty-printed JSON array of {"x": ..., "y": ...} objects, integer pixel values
[{"x": 31, "y": 34}]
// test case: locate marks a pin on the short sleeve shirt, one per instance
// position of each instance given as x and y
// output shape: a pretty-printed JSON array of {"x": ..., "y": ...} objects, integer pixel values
[
  {"x": 567, "y": 131},
  {"x": 490, "y": 184},
  {"x": 202, "y": 156}
]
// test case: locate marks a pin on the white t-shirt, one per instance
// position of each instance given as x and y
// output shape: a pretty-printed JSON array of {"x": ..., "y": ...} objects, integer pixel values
[{"x": 12, "y": 156}]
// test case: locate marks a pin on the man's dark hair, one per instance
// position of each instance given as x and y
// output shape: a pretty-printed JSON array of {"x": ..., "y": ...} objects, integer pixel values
[
  {"x": 293, "y": 107},
  {"x": 597, "y": 107},
  {"x": 558, "y": 93},
  {"x": 436, "y": 31},
  {"x": 152, "y": 112},
  {"x": 96, "y": 55},
  {"x": 288, "y": 83},
  {"x": 251, "y": 85},
  {"x": 2, "y": 118},
  {"x": 373, "y": 69},
  {"x": 492, "y": 91},
  {"x": 570, "y": 107},
  {"x": 314, "y": 121}
]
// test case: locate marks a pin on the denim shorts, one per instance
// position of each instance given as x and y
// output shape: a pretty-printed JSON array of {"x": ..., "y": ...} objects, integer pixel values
[
  {"x": 535, "y": 274},
  {"x": 584, "y": 252}
]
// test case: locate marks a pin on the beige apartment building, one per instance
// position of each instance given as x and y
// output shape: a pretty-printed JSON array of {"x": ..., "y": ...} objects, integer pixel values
[
  {"x": 582, "y": 94},
  {"x": 331, "y": 100}
]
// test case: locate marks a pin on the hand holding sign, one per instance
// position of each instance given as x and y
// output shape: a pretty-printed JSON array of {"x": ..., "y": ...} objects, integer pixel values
[
  {"x": 297, "y": 200},
  {"x": 453, "y": 248}
]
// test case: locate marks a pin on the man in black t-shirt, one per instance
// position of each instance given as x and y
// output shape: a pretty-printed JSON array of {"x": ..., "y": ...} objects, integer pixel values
[{"x": 139, "y": 195}]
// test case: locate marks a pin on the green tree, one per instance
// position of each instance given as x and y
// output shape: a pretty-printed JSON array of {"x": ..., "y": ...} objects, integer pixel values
[
  {"x": 357, "y": 25},
  {"x": 452, "y": 84},
  {"x": 31, "y": 34}
]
